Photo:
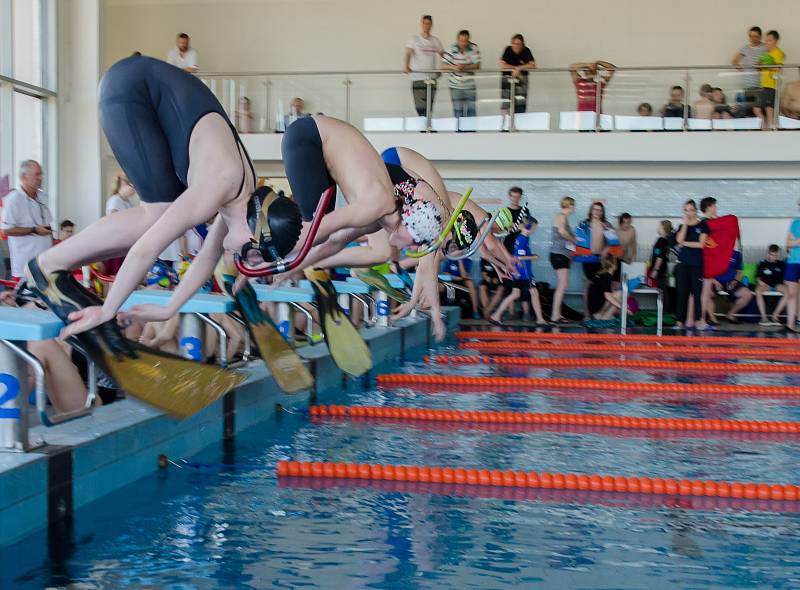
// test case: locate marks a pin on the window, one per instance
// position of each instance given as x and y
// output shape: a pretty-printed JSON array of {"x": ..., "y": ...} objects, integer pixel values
[
  {"x": 27, "y": 35},
  {"x": 27, "y": 128}
]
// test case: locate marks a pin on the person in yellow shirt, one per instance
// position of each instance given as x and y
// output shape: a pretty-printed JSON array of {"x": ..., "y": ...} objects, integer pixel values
[{"x": 769, "y": 79}]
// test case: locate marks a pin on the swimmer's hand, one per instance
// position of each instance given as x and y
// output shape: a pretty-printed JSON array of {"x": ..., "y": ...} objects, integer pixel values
[
  {"x": 146, "y": 312},
  {"x": 438, "y": 329},
  {"x": 85, "y": 319},
  {"x": 402, "y": 310}
]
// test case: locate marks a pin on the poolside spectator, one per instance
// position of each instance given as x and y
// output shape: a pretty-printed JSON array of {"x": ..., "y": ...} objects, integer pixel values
[
  {"x": 297, "y": 110},
  {"x": 722, "y": 110},
  {"x": 603, "y": 300},
  {"x": 518, "y": 58},
  {"x": 523, "y": 284},
  {"x": 691, "y": 238},
  {"x": 490, "y": 283},
  {"x": 460, "y": 272},
  {"x": 421, "y": 56},
  {"x": 597, "y": 224},
  {"x": 675, "y": 105},
  {"x": 122, "y": 198},
  {"x": 769, "y": 279},
  {"x": 184, "y": 56},
  {"x": 26, "y": 219},
  {"x": 792, "y": 273},
  {"x": 562, "y": 247},
  {"x": 708, "y": 207},
  {"x": 243, "y": 117},
  {"x": 774, "y": 56},
  {"x": 731, "y": 284},
  {"x": 587, "y": 77},
  {"x": 746, "y": 59},
  {"x": 658, "y": 271},
  {"x": 463, "y": 59},
  {"x": 66, "y": 229},
  {"x": 519, "y": 212},
  {"x": 627, "y": 241},
  {"x": 704, "y": 107},
  {"x": 644, "y": 110},
  {"x": 790, "y": 101}
]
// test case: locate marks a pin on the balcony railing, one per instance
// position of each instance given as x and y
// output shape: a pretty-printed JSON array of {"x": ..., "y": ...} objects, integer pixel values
[{"x": 383, "y": 101}]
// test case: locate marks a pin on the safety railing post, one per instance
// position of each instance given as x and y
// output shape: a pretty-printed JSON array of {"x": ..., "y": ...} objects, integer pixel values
[
  {"x": 686, "y": 95},
  {"x": 347, "y": 84},
  {"x": 512, "y": 105},
  {"x": 429, "y": 82}
]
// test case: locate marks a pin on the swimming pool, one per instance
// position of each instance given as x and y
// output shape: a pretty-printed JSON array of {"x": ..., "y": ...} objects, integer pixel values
[{"x": 223, "y": 520}]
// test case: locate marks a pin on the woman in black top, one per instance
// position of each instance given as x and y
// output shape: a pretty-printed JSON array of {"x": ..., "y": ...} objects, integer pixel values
[
  {"x": 691, "y": 239},
  {"x": 519, "y": 59}
]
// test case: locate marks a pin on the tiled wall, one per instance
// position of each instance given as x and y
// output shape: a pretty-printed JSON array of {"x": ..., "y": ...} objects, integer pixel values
[{"x": 648, "y": 201}]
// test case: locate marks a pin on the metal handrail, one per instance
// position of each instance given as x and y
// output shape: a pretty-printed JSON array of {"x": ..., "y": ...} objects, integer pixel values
[{"x": 482, "y": 70}]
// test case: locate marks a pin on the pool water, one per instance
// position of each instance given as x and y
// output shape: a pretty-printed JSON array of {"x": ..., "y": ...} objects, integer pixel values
[{"x": 222, "y": 519}]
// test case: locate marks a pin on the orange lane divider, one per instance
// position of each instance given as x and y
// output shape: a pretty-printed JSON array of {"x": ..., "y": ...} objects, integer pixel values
[
  {"x": 690, "y": 351},
  {"x": 674, "y": 339},
  {"x": 533, "y": 479},
  {"x": 592, "y": 384},
  {"x": 556, "y": 363},
  {"x": 595, "y": 420}
]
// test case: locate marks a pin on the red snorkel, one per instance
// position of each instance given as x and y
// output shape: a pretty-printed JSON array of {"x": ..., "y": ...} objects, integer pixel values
[{"x": 281, "y": 266}]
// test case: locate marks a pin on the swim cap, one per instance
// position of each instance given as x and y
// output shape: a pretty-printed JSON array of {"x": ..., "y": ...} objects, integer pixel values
[
  {"x": 505, "y": 219},
  {"x": 422, "y": 220},
  {"x": 161, "y": 274},
  {"x": 275, "y": 222},
  {"x": 465, "y": 230}
]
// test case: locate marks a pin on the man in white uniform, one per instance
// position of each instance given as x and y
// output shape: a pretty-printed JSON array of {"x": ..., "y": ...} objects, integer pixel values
[
  {"x": 422, "y": 53},
  {"x": 183, "y": 56},
  {"x": 26, "y": 218}
]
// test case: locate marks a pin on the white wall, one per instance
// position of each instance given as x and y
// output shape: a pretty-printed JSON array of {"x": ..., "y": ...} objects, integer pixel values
[{"x": 327, "y": 35}]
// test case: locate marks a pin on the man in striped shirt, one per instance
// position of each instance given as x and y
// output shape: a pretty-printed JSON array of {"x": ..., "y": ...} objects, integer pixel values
[{"x": 461, "y": 62}]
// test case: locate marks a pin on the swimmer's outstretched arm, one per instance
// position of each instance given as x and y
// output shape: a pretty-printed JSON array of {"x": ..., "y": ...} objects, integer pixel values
[
  {"x": 426, "y": 283},
  {"x": 200, "y": 269},
  {"x": 377, "y": 250},
  {"x": 194, "y": 206}
]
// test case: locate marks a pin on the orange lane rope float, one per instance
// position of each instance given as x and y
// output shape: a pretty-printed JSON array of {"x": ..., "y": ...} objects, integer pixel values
[
  {"x": 583, "y": 420},
  {"x": 533, "y": 479},
  {"x": 605, "y": 363},
  {"x": 671, "y": 339},
  {"x": 522, "y": 383},
  {"x": 634, "y": 349}
]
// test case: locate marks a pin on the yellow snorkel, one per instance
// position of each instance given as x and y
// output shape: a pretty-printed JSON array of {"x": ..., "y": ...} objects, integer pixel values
[{"x": 430, "y": 248}]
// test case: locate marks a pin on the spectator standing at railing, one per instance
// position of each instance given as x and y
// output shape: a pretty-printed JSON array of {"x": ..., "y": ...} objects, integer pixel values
[
  {"x": 463, "y": 59},
  {"x": 422, "y": 55},
  {"x": 518, "y": 58},
  {"x": 746, "y": 59},
  {"x": 587, "y": 77},
  {"x": 676, "y": 103},
  {"x": 774, "y": 56},
  {"x": 26, "y": 218},
  {"x": 184, "y": 56}
]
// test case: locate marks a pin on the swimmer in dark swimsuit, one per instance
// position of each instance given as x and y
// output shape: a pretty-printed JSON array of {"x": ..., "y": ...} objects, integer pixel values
[{"x": 175, "y": 143}]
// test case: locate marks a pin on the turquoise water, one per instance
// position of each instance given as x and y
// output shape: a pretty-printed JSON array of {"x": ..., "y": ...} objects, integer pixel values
[{"x": 222, "y": 520}]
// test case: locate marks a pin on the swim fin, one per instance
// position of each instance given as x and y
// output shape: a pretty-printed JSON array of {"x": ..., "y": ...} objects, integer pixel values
[
  {"x": 348, "y": 349},
  {"x": 286, "y": 366},
  {"x": 404, "y": 275},
  {"x": 375, "y": 279},
  {"x": 173, "y": 384}
]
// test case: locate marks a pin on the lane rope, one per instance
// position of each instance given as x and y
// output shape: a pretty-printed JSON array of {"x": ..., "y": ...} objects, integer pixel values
[
  {"x": 595, "y": 363},
  {"x": 672, "y": 339},
  {"x": 522, "y": 383},
  {"x": 581, "y": 420},
  {"x": 634, "y": 349},
  {"x": 533, "y": 479}
]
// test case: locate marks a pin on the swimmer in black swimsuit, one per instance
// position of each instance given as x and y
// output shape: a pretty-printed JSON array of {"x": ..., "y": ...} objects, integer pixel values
[{"x": 173, "y": 140}]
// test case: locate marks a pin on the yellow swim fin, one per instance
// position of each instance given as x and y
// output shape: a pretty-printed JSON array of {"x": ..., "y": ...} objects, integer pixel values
[
  {"x": 178, "y": 386},
  {"x": 286, "y": 366},
  {"x": 348, "y": 349},
  {"x": 376, "y": 280}
]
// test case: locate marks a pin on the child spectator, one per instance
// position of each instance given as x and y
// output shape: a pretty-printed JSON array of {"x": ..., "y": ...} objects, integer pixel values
[
  {"x": 722, "y": 110},
  {"x": 774, "y": 56},
  {"x": 691, "y": 239},
  {"x": 563, "y": 245},
  {"x": 674, "y": 108},
  {"x": 627, "y": 241},
  {"x": 644, "y": 110},
  {"x": 523, "y": 281},
  {"x": 790, "y": 101},
  {"x": 731, "y": 283},
  {"x": 66, "y": 229},
  {"x": 704, "y": 107},
  {"x": 792, "y": 273},
  {"x": 658, "y": 271},
  {"x": 769, "y": 277},
  {"x": 604, "y": 301}
]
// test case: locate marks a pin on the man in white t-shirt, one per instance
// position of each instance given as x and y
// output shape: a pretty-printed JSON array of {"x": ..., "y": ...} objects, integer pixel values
[
  {"x": 422, "y": 54},
  {"x": 26, "y": 219},
  {"x": 183, "y": 56}
]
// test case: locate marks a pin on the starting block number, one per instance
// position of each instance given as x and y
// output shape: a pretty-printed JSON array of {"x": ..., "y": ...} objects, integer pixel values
[
  {"x": 382, "y": 308},
  {"x": 192, "y": 348},
  {"x": 11, "y": 386}
]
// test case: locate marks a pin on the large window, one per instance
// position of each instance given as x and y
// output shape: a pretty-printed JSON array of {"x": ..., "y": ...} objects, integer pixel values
[{"x": 27, "y": 85}]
